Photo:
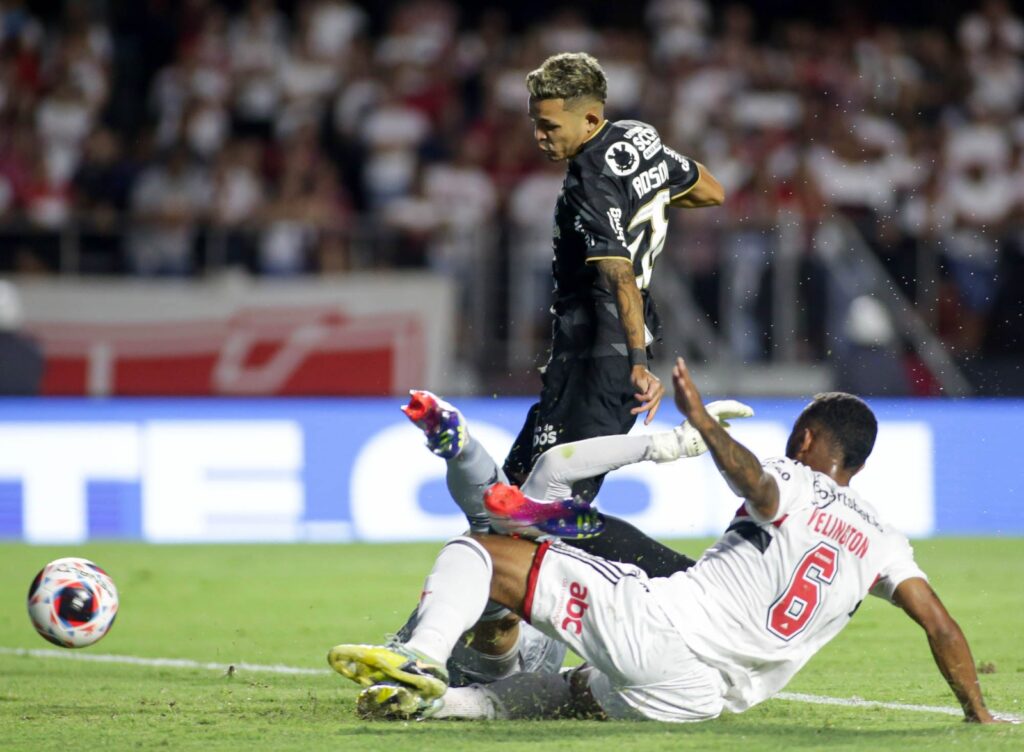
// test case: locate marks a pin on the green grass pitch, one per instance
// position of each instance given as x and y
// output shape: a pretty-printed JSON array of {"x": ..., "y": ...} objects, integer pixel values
[{"x": 288, "y": 604}]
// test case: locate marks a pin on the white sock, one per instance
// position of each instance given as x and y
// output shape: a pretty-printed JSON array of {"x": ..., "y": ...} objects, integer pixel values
[
  {"x": 557, "y": 469},
  {"x": 454, "y": 596},
  {"x": 472, "y": 703}
]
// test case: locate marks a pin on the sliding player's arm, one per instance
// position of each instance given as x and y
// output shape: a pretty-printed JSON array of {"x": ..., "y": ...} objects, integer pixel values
[
  {"x": 949, "y": 646},
  {"x": 618, "y": 278},
  {"x": 707, "y": 191},
  {"x": 741, "y": 467}
]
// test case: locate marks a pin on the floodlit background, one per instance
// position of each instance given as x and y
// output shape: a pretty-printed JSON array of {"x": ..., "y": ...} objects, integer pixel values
[{"x": 259, "y": 199}]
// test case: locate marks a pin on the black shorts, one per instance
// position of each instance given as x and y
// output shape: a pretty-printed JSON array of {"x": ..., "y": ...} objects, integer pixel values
[{"x": 582, "y": 397}]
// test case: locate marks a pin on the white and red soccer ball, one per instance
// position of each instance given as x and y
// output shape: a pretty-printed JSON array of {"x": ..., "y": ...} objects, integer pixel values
[{"x": 72, "y": 602}]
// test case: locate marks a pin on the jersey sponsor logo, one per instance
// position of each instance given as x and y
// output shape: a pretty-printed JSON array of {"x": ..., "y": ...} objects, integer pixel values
[
  {"x": 846, "y": 535},
  {"x": 622, "y": 158},
  {"x": 825, "y": 497},
  {"x": 646, "y": 139},
  {"x": 677, "y": 157},
  {"x": 575, "y": 608},
  {"x": 650, "y": 179},
  {"x": 615, "y": 220}
]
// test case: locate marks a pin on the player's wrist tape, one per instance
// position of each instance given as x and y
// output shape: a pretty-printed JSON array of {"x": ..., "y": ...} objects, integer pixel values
[{"x": 638, "y": 356}]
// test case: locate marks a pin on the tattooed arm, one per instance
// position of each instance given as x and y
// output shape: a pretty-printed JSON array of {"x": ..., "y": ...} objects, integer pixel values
[
  {"x": 738, "y": 464},
  {"x": 617, "y": 276}
]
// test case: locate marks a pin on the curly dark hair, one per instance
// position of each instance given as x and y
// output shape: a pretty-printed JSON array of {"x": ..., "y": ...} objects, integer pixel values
[{"x": 846, "y": 419}]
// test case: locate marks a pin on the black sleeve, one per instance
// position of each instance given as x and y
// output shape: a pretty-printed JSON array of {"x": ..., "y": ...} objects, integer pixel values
[
  {"x": 683, "y": 172},
  {"x": 600, "y": 208}
]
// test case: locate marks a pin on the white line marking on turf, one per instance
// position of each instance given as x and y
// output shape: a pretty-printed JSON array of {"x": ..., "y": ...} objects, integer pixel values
[
  {"x": 858, "y": 702},
  {"x": 853, "y": 702},
  {"x": 161, "y": 662}
]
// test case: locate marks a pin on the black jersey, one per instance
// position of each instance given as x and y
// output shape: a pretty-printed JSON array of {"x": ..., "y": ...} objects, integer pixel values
[{"x": 613, "y": 204}]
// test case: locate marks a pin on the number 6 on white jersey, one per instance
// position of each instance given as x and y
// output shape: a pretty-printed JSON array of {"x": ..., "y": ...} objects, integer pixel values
[{"x": 792, "y": 611}]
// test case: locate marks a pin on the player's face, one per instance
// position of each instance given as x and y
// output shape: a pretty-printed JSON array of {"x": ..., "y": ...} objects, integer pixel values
[{"x": 559, "y": 132}]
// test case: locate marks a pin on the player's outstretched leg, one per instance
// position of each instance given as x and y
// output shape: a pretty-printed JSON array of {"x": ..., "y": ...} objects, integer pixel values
[
  {"x": 514, "y": 513},
  {"x": 454, "y": 596},
  {"x": 471, "y": 470},
  {"x": 401, "y": 683},
  {"x": 603, "y": 535}
]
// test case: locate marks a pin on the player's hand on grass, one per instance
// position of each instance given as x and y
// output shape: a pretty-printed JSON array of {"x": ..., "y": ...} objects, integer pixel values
[{"x": 649, "y": 391}]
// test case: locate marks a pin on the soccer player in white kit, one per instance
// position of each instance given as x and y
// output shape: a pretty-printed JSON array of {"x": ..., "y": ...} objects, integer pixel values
[{"x": 791, "y": 570}]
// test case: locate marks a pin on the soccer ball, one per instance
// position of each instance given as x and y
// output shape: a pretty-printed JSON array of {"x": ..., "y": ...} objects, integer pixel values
[{"x": 72, "y": 602}]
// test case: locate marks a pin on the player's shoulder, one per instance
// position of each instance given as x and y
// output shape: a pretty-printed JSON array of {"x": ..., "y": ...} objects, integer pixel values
[
  {"x": 619, "y": 150},
  {"x": 630, "y": 129},
  {"x": 787, "y": 468}
]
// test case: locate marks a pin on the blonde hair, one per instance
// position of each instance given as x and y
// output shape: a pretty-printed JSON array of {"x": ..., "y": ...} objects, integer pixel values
[{"x": 571, "y": 76}]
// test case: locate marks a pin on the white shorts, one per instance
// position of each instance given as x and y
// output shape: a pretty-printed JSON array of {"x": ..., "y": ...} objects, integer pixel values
[{"x": 605, "y": 612}]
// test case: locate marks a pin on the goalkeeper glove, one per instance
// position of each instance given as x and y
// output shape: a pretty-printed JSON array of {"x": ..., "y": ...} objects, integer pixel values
[{"x": 685, "y": 440}]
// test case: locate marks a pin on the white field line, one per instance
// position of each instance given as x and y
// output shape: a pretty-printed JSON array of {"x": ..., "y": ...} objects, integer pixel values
[
  {"x": 853, "y": 702},
  {"x": 857, "y": 702},
  {"x": 161, "y": 662}
]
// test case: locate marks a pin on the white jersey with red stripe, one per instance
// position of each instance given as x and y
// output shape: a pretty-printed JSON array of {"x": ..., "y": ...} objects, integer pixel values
[{"x": 770, "y": 593}]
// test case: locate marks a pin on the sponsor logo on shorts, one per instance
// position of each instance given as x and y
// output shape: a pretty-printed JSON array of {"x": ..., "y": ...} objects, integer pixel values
[
  {"x": 575, "y": 609},
  {"x": 544, "y": 436}
]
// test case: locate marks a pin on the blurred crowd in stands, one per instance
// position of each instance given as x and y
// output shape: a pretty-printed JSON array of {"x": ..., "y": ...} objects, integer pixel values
[{"x": 161, "y": 138}]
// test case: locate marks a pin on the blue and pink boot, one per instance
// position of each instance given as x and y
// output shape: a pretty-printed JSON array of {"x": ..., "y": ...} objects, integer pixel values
[
  {"x": 441, "y": 423},
  {"x": 514, "y": 513}
]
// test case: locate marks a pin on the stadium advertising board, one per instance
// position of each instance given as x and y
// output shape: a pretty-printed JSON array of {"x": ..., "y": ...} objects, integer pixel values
[
  {"x": 341, "y": 470},
  {"x": 362, "y": 334}
]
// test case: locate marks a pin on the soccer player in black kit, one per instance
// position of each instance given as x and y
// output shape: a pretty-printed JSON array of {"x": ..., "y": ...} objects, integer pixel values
[{"x": 610, "y": 225}]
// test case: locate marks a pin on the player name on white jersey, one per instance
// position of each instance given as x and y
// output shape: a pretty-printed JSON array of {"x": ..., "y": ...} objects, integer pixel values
[{"x": 843, "y": 533}]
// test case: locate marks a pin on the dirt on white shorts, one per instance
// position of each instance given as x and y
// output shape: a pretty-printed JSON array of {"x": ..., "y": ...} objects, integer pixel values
[{"x": 606, "y": 613}]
